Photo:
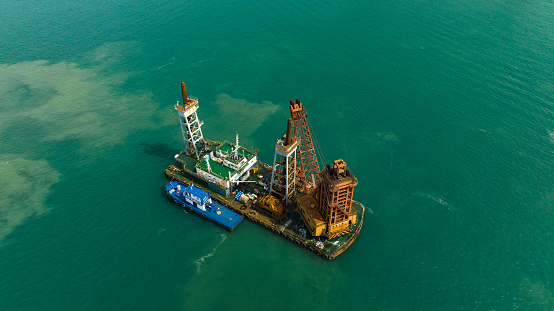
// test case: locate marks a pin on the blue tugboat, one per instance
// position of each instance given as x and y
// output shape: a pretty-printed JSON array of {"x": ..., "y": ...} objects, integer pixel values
[{"x": 201, "y": 203}]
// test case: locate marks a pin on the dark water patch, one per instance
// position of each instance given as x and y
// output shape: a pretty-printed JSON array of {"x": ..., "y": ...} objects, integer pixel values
[{"x": 160, "y": 150}]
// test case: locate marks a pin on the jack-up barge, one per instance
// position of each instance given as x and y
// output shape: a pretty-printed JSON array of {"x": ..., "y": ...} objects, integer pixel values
[{"x": 293, "y": 198}]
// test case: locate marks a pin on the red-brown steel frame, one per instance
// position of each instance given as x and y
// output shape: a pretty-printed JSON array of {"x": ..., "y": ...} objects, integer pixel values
[{"x": 307, "y": 158}]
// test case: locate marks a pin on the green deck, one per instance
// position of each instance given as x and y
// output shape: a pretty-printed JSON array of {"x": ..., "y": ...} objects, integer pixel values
[{"x": 217, "y": 169}]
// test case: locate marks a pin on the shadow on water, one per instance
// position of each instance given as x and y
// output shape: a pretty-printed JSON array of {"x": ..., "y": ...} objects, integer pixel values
[{"x": 160, "y": 149}]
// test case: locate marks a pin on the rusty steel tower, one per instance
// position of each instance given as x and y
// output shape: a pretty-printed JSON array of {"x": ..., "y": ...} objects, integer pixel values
[
  {"x": 283, "y": 175},
  {"x": 308, "y": 164},
  {"x": 334, "y": 197},
  {"x": 190, "y": 125}
]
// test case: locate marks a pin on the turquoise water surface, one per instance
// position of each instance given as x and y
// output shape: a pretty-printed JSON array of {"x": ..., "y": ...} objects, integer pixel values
[{"x": 444, "y": 111}]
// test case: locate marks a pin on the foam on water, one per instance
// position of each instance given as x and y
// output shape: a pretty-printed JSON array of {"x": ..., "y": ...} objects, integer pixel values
[
  {"x": 198, "y": 262},
  {"x": 433, "y": 197}
]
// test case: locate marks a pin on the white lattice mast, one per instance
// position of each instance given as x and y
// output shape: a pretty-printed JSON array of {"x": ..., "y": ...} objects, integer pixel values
[
  {"x": 283, "y": 175},
  {"x": 190, "y": 125}
]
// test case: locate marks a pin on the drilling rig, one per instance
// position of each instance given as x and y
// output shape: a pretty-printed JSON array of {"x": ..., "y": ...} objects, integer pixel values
[
  {"x": 294, "y": 197},
  {"x": 326, "y": 206},
  {"x": 308, "y": 164}
]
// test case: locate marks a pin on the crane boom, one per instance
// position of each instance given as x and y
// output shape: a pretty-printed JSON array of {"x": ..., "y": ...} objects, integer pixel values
[{"x": 308, "y": 164}]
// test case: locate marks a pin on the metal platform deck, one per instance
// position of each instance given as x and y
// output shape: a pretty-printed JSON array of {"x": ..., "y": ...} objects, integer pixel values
[{"x": 293, "y": 228}]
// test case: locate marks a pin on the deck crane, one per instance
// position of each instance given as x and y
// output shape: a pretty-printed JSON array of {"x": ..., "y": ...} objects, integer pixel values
[{"x": 308, "y": 164}]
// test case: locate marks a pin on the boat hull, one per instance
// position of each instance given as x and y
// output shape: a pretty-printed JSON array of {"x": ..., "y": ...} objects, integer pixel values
[{"x": 215, "y": 211}]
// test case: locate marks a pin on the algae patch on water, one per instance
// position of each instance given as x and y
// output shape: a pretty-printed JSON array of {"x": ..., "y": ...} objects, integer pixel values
[
  {"x": 81, "y": 100},
  {"x": 24, "y": 186},
  {"x": 240, "y": 116}
]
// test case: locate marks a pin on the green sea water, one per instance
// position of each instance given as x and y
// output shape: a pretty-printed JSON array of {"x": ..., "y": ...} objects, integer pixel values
[{"x": 444, "y": 111}]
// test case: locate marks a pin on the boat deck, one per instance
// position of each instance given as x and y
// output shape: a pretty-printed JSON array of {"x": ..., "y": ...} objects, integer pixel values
[
  {"x": 292, "y": 228},
  {"x": 216, "y": 211}
]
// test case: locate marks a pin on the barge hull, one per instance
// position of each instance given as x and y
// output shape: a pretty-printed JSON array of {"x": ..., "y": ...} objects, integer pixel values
[{"x": 327, "y": 249}]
